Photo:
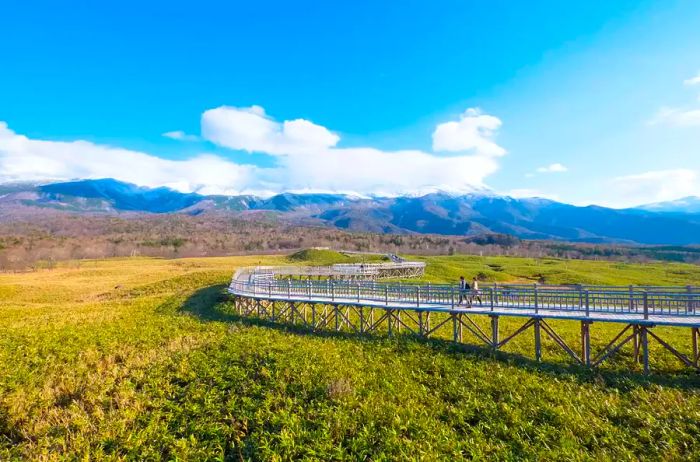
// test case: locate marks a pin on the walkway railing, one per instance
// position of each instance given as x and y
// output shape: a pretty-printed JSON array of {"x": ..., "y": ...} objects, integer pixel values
[
  {"x": 585, "y": 300},
  {"x": 346, "y": 300}
]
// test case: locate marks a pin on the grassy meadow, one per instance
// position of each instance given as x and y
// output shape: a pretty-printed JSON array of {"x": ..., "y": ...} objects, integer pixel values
[{"x": 144, "y": 359}]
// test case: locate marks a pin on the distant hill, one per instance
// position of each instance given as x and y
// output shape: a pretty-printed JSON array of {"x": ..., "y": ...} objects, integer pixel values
[
  {"x": 113, "y": 194},
  {"x": 676, "y": 223},
  {"x": 524, "y": 218}
]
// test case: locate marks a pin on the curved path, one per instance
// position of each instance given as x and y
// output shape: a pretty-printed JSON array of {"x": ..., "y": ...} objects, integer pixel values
[{"x": 350, "y": 293}]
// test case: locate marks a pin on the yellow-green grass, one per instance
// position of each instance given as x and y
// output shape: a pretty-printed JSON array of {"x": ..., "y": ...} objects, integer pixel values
[{"x": 145, "y": 359}]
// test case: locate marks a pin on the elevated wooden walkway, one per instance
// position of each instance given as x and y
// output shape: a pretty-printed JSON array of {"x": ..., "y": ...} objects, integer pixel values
[{"x": 364, "y": 306}]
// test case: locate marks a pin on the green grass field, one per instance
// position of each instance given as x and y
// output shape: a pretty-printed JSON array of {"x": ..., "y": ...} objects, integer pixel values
[{"x": 143, "y": 359}]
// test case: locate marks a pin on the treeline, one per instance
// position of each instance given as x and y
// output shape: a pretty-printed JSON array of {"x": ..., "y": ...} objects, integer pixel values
[{"x": 29, "y": 244}]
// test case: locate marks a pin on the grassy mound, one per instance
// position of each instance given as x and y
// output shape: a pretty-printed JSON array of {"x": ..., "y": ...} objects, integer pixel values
[
  {"x": 321, "y": 257},
  {"x": 144, "y": 359}
]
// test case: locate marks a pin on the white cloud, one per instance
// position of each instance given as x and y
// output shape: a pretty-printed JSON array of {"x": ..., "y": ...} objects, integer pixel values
[
  {"x": 306, "y": 159},
  {"x": 25, "y": 159},
  {"x": 677, "y": 117},
  {"x": 680, "y": 117},
  {"x": 553, "y": 168},
  {"x": 180, "y": 135},
  {"x": 369, "y": 170},
  {"x": 474, "y": 131},
  {"x": 250, "y": 129},
  {"x": 693, "y": 80},
  {"x": 653, "y": 186}
]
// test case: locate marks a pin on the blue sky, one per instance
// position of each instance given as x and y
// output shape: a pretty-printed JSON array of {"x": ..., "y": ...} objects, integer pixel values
[{"x": 587, "y": 102}]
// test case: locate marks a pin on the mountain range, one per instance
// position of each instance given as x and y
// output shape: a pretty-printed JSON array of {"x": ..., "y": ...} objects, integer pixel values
[{"x": 676, "y": 222}]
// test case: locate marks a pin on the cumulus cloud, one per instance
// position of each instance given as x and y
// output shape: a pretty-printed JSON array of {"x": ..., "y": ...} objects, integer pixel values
[
  {"x": 653, "y": 186},
  {"x": 369, "y": 170},
  {"x": 250, "y": 129},
  {"x": 25, "y": 159},
  {"x": 693, "y": 80},
  {"x": 180, "y": 136},
  {"x": 474, "y": 131},
  {"x": 308, "y": 157},
  {"x": 553, "y": 168},
  {"x": 679, "y": 117}
]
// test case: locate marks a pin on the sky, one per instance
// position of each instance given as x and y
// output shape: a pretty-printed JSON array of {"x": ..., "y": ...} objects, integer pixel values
[{"x": 583, "y": 102}]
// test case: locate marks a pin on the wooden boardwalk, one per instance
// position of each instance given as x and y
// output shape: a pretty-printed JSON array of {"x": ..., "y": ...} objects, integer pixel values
[{"x": 341, "y": 299}]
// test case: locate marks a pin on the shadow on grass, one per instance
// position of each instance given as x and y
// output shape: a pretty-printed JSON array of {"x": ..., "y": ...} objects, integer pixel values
[{"x": 210, "y": 304}]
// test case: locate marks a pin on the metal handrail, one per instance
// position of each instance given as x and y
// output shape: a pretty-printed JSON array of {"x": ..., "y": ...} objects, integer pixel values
[{"x": 644, "y": 301}]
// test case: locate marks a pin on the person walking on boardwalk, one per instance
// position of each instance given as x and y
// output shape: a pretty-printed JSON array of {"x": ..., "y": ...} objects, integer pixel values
[
  {"x": 476, "y": 294},
  {"x": 463, "y": 290}
]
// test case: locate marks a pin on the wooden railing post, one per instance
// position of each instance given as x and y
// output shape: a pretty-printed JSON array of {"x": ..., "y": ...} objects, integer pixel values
[
  {"x": 588, "y": 303},
  {"x": 631, "y": 301},
  {"x": 536, "y": 300},
  {"x": 646, "y": 305}
]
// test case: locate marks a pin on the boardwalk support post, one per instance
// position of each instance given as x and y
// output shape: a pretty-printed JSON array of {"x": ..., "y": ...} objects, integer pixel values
[
  {"x": 636, "y": 344},
  {"x": 494, "y": 333},
  {"x": 455, "y": 331},
  {"x": 645, "y": 348},
  {"x": 586, "y": 343},
  {"x": 538, "y": 340},
  {"x": 336, "y": 313}
]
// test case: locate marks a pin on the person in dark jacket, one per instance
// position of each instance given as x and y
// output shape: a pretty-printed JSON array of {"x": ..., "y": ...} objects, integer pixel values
[{"x": 463, "y": 290}]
